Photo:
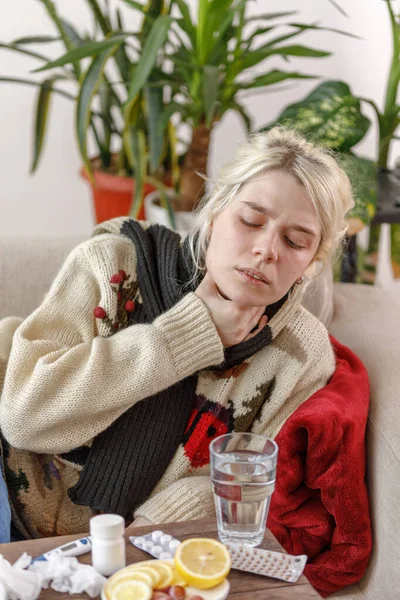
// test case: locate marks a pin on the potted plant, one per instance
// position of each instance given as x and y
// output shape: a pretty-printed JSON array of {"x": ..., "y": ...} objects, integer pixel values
[
  {"x": 388, "y": 121},
  {"x": 212, "y": 59},
  {"x": 191, "y": 71},
  {"x": 331, "y": 115},
  {"x": 116, "y": 111}
]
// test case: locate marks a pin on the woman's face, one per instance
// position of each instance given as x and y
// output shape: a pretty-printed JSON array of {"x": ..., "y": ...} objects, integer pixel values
[{"x": 263, "y": 241}]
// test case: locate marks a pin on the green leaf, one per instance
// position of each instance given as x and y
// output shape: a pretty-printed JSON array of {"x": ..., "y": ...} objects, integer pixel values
[
  {"x": 68, "y": 43},
  {"x": 362, "y": 173},
  {"x": 210, "y": 92},
  {"x": 259, "y": 31},
  {"x": 136, "y": 5},
  {"x": 219, "y": 44},
  {"x": 35, "y": 84},
  {"x": 330, "y": 114},
  {"x": 154, "y": 42},
  {"x": 100, "y": 17},
  {"x": 187, "y": 24},
  {"x": 201, "y": 37},
  {"x": 35, "y": 39},
  {"x": 88, "y": 49},
  {"x": 155, "y": 105},
  {"x": 305, "y": 27},
  {"x": 282, "y": 38},
  {"x": 269, "y": 16},
  {"x": 339, "y": 8},
  {"x": 42, "y": 111},
  {"x": 170, "y": 109},
  {"x": 72, "y": 33},
  {"x": 24, "y": 51},
  {"x": 89, "y": 86},
  {"x": 275, "y": 76},
  {"x": 255, "y": 57},
  {"x": 137, "y": 141}
]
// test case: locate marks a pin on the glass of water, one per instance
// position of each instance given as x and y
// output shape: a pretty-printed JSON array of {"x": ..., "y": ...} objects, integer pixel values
[{"x": 243, "y": 471}]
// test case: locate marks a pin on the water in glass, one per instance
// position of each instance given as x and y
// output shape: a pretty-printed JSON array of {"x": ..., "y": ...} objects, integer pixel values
[{"x": 243, "y": 484}]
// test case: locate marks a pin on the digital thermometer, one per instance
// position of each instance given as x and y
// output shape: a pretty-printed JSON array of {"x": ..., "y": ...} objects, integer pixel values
[{"x": 75, "y": 548}]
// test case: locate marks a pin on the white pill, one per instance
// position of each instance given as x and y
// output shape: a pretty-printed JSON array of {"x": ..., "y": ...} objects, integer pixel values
[
  {"x": 173, "y": 544},
  {"x": 139, "y": 541},
  {"x": 157, "y": 550},
  {"x": 165, "y": 538},
  {"x": 148, "y": 545},
  {"x": 156, "y": 535},
  {"x": 165, "y": 555}
]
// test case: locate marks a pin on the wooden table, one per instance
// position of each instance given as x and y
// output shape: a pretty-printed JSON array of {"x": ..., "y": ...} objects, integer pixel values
[{"x": 243, "y": 585}]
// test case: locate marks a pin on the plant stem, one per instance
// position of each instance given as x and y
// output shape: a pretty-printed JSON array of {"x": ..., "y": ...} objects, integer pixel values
[
  {"x": 196, "y": 159},
  {"x": 386, "y": 126}
]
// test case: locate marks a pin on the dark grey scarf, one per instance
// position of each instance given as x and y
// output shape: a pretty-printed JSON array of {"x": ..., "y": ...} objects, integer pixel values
[{"x": 128, "y": 459}]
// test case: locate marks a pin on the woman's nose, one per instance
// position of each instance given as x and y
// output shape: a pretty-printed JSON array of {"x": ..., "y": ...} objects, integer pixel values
[{"x": 267, "y": 247}]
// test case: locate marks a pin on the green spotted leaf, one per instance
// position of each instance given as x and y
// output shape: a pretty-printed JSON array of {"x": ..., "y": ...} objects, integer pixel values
[{"x": 330, "y": 114}]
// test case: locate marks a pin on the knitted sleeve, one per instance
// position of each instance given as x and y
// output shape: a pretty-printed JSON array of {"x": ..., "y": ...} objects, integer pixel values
[
  {"x": 187, "y": 499},
  {"x": 65, "y": 383}
]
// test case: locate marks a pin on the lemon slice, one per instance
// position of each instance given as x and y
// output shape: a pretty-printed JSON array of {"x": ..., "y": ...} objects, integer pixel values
[
  {"x": 131, "y": 589},
  {"x": 177, "y": 579},
  {"x": 165, "y": 572},
  {"x": 163, "y": 569},
  {"x": 146, "y": 568},
  {"x": 202, "y": 562},
  {"x": 123, "y": 576}
]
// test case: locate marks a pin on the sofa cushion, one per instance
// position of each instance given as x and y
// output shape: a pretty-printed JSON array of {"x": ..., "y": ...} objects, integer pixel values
[
  {"x": 367, "y": 320},
  {"x": 28, "y": 266}
]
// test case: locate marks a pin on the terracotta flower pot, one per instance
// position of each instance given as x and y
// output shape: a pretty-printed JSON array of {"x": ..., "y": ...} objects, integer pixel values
[{"x": 112, "y": 194}]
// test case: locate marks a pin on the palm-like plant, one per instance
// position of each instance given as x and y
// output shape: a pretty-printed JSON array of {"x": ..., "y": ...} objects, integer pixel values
[
  {"x": 116, "y": 110},
  {"x": 174, "y": 67},
  {"x": 213, "y": 58}
]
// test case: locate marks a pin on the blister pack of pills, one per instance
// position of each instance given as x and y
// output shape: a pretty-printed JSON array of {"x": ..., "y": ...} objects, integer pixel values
[
  {"x": 265, "y": 562},
  {"x": 157, "y": 543}
]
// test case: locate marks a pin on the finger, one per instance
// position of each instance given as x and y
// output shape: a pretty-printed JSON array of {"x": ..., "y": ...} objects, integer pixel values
[
  {"x": 262, "y": 323},
  {"x": 256, "y": 316}
]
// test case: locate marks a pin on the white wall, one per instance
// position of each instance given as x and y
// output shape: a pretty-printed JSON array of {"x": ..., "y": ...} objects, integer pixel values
[{"x": 55, "y": 199}]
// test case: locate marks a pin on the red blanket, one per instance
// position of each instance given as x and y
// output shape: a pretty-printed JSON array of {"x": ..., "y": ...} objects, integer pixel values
[{"x": 320, "y": 504}]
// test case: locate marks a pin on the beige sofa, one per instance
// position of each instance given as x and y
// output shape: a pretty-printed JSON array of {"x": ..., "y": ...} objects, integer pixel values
[{"x": 367, "y": 319}]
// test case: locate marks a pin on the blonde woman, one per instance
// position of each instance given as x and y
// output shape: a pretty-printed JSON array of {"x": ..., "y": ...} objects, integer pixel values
[{"x": 146, "y": 348}]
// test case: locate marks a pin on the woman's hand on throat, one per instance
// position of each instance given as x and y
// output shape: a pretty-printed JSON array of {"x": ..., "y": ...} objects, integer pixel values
[{"x": 235, "y": 323}]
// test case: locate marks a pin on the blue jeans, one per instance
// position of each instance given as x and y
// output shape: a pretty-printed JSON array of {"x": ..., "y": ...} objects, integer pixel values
[{"x": 5, "y": 512}]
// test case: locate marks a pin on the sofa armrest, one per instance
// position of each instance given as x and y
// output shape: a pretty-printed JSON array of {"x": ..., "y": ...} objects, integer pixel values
[{"x": 367, "y": 320}]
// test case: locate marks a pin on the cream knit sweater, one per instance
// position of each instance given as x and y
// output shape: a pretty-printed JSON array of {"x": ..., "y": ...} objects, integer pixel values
[{"x": 67, "y": 380}]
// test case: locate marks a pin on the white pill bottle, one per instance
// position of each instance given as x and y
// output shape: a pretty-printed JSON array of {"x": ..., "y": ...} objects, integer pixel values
[{"x": 108, "y": 543}]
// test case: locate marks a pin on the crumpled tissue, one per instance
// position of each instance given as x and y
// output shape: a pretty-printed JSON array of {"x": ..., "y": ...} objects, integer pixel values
[{"x": 25, "y": 579}]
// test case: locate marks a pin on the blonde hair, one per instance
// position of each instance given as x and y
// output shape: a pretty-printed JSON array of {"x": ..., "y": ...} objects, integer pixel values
[{"x": 280, "y": 149}]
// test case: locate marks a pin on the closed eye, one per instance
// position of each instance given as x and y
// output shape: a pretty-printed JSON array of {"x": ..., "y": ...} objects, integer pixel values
[
  {"x": 293, "y": 244},
  {"x": 248, "y": 224}
]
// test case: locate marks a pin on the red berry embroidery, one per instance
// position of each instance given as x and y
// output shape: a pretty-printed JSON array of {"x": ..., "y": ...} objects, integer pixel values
[
  {"x": 130, "y": 305},
  {"x": 119, "y": 295},
  {"x": 99, "y": 312},
  {"x": 116, "y": 325},
  {"x": 122, "y": 273},
  {"x": 116, "y": 278}
]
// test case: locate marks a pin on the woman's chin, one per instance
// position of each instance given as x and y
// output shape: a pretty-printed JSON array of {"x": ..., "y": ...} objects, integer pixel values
[{"x": 242, "y": 298}]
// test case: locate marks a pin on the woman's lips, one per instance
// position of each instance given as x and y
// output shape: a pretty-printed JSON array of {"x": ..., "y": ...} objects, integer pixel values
[{"x": 252, "y": 276}]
